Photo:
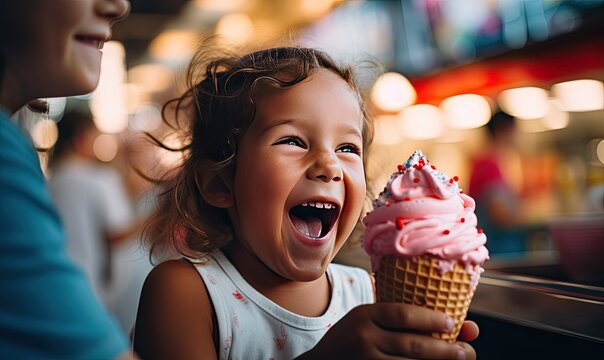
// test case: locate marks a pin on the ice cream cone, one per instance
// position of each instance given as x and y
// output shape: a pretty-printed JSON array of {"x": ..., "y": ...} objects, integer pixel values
[
  {"x": 419, "y": 282},
  {"x": 424, "y": 243}
]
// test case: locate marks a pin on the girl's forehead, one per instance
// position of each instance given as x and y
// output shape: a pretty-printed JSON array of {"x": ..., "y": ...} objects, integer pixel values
[
  {"x": 323, "y": 80},
  {"x": 325, "y": 95}
]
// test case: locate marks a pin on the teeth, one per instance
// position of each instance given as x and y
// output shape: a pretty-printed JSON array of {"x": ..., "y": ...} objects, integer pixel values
[{"x": 320, "y": 205}]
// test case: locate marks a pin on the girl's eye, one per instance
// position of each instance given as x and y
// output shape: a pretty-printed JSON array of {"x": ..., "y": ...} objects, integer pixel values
[
  {"x": 292, "y": 140},
  {"x": 349, "y": 148}
]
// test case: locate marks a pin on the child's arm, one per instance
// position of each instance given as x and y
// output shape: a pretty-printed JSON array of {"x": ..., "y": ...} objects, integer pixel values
[
  {"x": 391, "y": 330},
  {"x": 175, "y": 315}
]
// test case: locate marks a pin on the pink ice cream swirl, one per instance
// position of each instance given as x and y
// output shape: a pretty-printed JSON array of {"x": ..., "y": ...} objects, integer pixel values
[{"x": 423, "y": 211}]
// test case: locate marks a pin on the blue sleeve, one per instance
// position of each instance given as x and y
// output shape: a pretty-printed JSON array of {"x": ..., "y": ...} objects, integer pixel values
[{"x": 47, "y": 308}]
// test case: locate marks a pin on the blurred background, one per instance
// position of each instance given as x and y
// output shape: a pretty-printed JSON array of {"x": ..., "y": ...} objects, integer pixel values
[{"x": 448, "y": 66}]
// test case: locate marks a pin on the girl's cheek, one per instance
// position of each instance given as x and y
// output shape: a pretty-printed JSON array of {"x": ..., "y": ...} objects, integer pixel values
[{"x": 357, "y": 177}]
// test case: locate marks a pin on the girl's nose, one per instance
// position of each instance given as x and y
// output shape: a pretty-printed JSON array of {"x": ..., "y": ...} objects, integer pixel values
[
  {"x": 114, "y": 10},
  {"x": 326, "y": 168}
]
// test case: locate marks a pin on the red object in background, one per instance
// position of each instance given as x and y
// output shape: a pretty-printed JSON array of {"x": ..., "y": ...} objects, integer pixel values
[
  {"x": 539, "y": 174},
  {"x": 580, "y": 244},
  {"x": 567, "y": 57}
]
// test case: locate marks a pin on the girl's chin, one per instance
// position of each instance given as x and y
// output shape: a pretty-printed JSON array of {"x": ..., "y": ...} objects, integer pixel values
[
  {"x": 309, "y": 269},
  {"x": 310, "y": 273}
]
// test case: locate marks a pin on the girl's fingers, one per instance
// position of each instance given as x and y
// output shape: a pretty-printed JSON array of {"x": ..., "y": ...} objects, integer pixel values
[
  {"x": 418, "y": 346},
  {"x": 467, "y": 349},
  {"x": 469, "y": 331},
  {"x": 396, "y": 316}
]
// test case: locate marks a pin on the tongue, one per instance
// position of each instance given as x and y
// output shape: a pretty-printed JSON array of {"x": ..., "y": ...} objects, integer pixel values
[{"x": 310, "y": 226}]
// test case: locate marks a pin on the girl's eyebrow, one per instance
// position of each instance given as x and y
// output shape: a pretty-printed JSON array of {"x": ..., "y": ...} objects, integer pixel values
[
  {"x": 277, "y": 123},
  {"x": 352, "y": 131},
  {"x": 347, "y": 129}
]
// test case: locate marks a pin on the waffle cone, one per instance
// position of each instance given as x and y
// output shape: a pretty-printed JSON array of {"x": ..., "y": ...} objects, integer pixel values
[{"x": 419, "y": 282}]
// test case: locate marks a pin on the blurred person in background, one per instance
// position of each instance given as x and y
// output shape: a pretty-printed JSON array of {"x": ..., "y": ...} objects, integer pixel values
[
  {"x": 497, "y": 205},
  {"x": 130, "y": 261},
  {"x": 92, "y": 200},
  {"x": 47, "y": 307}
]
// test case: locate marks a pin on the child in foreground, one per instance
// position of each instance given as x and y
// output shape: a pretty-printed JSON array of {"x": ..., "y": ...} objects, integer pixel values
[{"x": 272, "y": 185}]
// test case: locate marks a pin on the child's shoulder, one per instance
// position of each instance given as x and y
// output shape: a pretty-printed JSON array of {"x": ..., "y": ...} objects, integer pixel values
[
  {"x": 181, "y": 267},
  {"x": 175, "y": 313},
  {"x": 175, "y": 283}
]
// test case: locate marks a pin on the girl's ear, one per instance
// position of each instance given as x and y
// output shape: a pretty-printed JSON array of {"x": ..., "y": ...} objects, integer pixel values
[{"x": 215, "y": 187}]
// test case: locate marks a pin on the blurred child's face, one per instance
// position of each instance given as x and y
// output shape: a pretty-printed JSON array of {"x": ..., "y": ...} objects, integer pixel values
[
  {"x": 53, "y": 46},
  {"x": 299, "y": 183}
]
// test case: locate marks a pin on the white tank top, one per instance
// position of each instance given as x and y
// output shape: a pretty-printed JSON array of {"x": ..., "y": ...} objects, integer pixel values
[{"x": 251, "y": 326}]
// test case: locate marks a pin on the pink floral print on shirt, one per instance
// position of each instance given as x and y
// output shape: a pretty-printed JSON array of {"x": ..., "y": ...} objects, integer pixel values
[
  {"x": 281, "y": 341},
  {"x": 227, "y": 345},
  {"x": 237, "y": 295}
]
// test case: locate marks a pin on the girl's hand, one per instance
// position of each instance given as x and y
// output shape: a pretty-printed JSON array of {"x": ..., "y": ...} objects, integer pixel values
[
  {"x": 392, "y": 330},
  {"x": 469, "y": 331}
]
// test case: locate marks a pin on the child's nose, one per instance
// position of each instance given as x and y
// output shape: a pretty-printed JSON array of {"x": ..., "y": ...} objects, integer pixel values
[{"x": 326, "y": 168}]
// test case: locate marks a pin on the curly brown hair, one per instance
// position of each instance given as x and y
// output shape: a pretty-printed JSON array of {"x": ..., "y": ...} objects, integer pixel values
[{"x": 220, "y": 105}]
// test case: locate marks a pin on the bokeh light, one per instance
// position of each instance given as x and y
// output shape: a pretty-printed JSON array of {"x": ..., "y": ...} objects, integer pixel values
[
  {"x": 45, "y": 133},
  {"x": 580, "y": 95},
  {"x": 392, "y": 92},
  {"x": 105, "y": 147},
  {"x": 466, "y": 111},
  {"x": 422, "y": 122},
  {"x": 524, "y": 103}
]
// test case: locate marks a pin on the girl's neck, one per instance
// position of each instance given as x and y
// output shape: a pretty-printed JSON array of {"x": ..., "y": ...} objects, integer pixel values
[{"x": 307, "y": 298}]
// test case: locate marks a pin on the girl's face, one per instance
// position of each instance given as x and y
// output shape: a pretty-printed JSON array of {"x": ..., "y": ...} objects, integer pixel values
[
  {"x": 51, "y": 48},
  {"x": 299, "y": 183}
]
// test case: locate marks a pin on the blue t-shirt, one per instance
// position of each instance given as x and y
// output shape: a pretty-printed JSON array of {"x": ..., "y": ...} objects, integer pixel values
[{"x": 47, "y": 308}]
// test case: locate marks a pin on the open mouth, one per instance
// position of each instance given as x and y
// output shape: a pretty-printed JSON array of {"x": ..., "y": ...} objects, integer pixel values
[
  {"x": 314, "y": 218},
  {"x": 93, "y": 41}
]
